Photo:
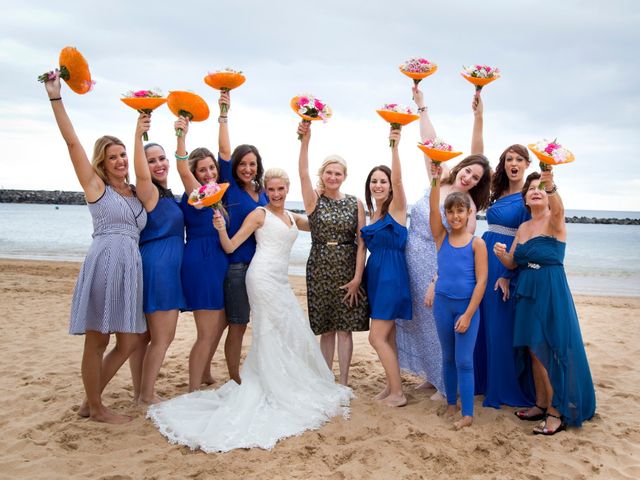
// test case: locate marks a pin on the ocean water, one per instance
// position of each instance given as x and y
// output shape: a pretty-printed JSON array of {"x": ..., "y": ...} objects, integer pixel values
[{"x": 600, "y": 259}]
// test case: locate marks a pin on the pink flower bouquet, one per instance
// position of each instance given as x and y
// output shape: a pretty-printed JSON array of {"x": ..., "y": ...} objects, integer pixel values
[
  {"x": 310, "y": 109},
  {"x": 418, "y": 68},
  {"x": 550, "y": 153}
]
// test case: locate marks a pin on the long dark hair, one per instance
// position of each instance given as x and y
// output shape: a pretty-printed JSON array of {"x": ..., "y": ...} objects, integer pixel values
[
  {"x": 237, "y": 156},
  {"x": 480, "y": 193},
  {"x": 500, "y": 180},
  {"x": 527, "y": 183},
  {"x": 367, "y": 191},
  {"x": 164, "y": 192}
]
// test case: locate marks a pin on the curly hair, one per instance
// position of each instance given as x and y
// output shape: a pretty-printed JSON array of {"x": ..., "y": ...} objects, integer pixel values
[
  {"x": 500, "y": 180},
  {"x": 480, "y": 192}
]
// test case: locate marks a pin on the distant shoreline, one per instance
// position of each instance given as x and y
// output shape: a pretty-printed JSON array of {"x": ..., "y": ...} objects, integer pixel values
[{"x": 60, "y": 197}]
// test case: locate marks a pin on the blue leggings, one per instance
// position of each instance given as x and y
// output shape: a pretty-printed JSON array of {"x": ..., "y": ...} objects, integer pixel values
[{"x": 457, "y": 350}]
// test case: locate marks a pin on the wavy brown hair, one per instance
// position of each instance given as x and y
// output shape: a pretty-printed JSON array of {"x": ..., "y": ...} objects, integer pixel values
[
  {"x": 367, "y": 191},
  {"x": 500, "y": 180},
  {"x": 480, "y": 193}
]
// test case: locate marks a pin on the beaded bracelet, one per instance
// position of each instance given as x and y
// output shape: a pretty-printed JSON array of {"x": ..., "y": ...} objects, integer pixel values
[
  {"x": 422, "y": 109},
  {"x": 181, "y": 157}
]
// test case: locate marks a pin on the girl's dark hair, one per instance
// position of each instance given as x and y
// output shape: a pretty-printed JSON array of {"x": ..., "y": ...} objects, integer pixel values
[
  {"x": 367, "y": 191},
  {"x": 457, "y": 199},
  {"x": 237, "y": 156},
  {"x": 164, "y": 192},
  {"x": 500, "y": 180},
  {"x": 480, "y": 193},
  {"x": 527, "y": 183}
]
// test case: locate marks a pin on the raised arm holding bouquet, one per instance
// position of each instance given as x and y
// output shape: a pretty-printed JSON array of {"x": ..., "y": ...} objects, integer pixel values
[
  {"x": 310, "y": 108},
  {"x": 144, "y": 101}
]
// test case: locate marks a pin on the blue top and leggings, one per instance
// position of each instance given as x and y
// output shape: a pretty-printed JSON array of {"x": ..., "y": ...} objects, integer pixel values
[{"x": 454, "y": 288}]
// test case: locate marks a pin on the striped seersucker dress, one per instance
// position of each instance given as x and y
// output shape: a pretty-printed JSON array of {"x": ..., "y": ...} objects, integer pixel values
[{"x": 108, "y": 294}]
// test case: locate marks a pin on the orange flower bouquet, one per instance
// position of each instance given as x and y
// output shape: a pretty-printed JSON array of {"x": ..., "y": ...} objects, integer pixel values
[
  {"x": 397, "y": 115},
  {"x": 418, "y": 68},
  {"x": 208, "y": 196},
  {"x": 310, "y": 109},
  {"x": 550, "y": 153},
  {"x": 144, "y": 101},
  {"x": 73, "y": 69},
  {"x": 480, "y": 75},
  {"x": 188, "y": 105},
  {"x": 225, "y": 80},
  {"x": 438, "y": 151}
]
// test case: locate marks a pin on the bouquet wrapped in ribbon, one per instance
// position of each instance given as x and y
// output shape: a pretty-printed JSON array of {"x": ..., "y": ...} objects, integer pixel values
[
  {"x": 144, "y": 101},
  {"x": 397, "y": 115},
  {"x": 310, "y": 108},
  {"x": 188, "y": 105},
  {"x": 73, "y": 69},
  {"x": 480, "y": 75},
  {"x": 225, "y": 80},
  {"x": 418, "y": 68},
  {"x": 438, "y": 151},
  {"x": 550, "y": 153}
]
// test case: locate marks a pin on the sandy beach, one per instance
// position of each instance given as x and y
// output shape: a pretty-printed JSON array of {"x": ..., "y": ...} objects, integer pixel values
[{"x": 43, "y": 437}]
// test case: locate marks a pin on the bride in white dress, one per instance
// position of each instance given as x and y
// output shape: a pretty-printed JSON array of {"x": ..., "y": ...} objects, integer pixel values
[{"x": 286, "y": 386}]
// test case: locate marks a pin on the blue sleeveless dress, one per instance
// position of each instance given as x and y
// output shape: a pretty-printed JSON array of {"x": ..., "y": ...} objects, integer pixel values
[
  {"x": 494, "y": 359},
  {"x": 386, "y": 274},
  {"x": 547, "y": 323},
  {"x": 204, "y": 264},
  {"x": 162, "y": 247}
]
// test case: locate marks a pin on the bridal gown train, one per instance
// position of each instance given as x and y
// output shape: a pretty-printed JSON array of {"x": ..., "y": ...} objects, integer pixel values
[{"x": 286, "y": 385}]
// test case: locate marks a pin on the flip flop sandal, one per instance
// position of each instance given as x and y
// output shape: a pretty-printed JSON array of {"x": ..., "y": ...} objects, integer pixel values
[
  {"x": 545, "y": 431},
  {"x": 522, "y": 414}
]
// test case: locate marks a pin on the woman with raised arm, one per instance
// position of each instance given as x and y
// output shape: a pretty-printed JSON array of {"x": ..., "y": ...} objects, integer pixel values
[
  {"x": 108, "y": 293},
  {"x": 337, "y": 302},
  {"x": 547, "y": 331},
  {"x": 386, "y": 273},
  {"x": 243, "y": 170},
  {"x": 419, "y": 349},
  {"x": 161, "y": 247},
  {"x": 204, "y": 264},
  {"x": 494, "y": 358},
  {"x": 286, "y": 386}
]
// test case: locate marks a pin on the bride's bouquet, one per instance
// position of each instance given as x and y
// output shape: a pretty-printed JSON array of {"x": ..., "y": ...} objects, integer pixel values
[{"x": 438, "y": 151}]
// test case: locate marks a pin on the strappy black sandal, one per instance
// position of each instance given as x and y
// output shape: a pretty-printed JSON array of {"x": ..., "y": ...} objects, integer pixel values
[
  {"x": 522, "y": 414},
  {"x": 545, "y": 431}
]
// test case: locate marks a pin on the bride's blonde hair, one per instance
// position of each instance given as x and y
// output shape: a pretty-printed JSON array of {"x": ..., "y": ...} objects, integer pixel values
[
  {"x": 276, "y": 173},
  {"x": 328, "y": 161}
]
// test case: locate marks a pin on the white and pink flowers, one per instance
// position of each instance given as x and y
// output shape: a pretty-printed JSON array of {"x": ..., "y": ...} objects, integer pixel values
[
  {"x": 143, "y": 94},
  {"x": 554, "y": 150},
  {"x": 438, "y": 144},
  {"x": 208, "y": 195},
  {"x": 417, "y": 65},
  {"x": 396, "y": 107},
  {"x": 481, "y": 71},
  {"x": 314, "y": 108}
]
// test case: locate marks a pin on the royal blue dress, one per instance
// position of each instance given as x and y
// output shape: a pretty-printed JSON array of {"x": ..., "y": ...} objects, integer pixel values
[
  {"x": 386, "y": 274},
  {"x": 162, "y": 247},
  {"x": 547, "y": 323},
  {"x": 494, "y": 358},
  {"x": 204, "y": 264}
]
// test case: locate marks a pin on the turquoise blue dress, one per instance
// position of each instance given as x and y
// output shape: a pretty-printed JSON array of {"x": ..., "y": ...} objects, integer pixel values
[
  {"x": 494, "y": 358},
  {"x": 161, "y": 248},
  {"x": 547, "y": 323},
  {"x": 204, "y": 264},
  {"x": 386, "y": 274}
]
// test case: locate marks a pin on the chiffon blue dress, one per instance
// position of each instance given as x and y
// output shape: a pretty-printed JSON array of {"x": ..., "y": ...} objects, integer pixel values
[
  {"x": 494, "y": 357},
  {"x": 547, "y": 323},
  {"x": 386, "y": 274},
  {"x": 162, "y": 248},
  {"x": 204, "y": 264}
]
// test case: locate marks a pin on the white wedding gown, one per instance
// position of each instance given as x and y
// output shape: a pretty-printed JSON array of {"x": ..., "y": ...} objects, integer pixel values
[{"x": 286, "y": 385}]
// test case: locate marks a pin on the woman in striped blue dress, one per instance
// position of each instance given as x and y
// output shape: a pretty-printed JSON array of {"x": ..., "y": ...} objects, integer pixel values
[{"x": 108, "y": 294}]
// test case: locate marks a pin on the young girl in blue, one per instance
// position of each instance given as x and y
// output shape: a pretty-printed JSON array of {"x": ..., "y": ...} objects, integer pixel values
[{"x": 462, "y": 278}]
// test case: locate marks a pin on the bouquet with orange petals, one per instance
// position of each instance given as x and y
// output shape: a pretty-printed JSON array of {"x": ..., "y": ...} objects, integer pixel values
[
  {"x": 73, "y": 69},
  {"x": 550, "y": 153},
  {"x": 397, "y": 115},
  {"x": 208, "y": 195},
  {"x": 310, "y": 109},
  {"x": 225, "y": 80},
  {"x": 480, "y": 75},
  {"x": 144, "y": 101},
  {"x": 188, "y": 105},
  {"x": 418, "y": 68},
  {"x": 438, "y": 151}
]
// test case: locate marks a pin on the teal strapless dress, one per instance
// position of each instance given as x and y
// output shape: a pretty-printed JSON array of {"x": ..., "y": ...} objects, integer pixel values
[{"x": 547, "y": 323}]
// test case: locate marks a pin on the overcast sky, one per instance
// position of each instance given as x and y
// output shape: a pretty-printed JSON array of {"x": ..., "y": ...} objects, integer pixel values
[{"x": 570, "y": 71}]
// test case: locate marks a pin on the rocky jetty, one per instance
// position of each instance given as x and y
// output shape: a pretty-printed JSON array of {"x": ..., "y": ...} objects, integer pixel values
[{"x": 59, "y": 197}]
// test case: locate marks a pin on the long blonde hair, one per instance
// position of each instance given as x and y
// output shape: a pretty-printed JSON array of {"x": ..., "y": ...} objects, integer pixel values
[
  {"x": 328, "y": 161},
  {"x": 100, "y": 156}
]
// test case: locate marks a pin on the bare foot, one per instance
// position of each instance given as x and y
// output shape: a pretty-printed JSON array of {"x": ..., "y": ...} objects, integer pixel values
[
  {"x": 437, "y": 397},
  {"x": 426, "y": 385},
  {"x": 151, "y": 401},
  {"x": 463, "y": 422},
  {"x": 84, "y": 411},
  {"x": 105, "y": 415},
  {"x": 208, "y": 379},
  {"x": 451, "y": 411},
  {"x": 383, "y": 394},
  {"x": 395, "y": 401}
]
